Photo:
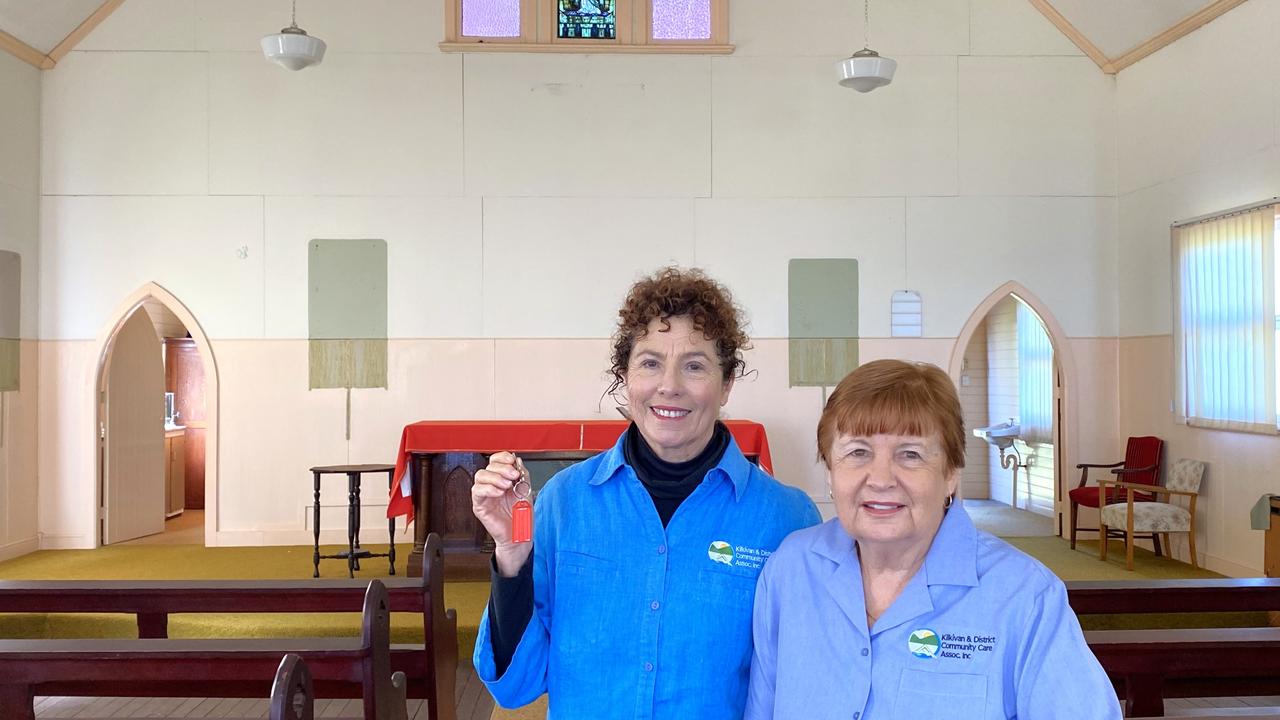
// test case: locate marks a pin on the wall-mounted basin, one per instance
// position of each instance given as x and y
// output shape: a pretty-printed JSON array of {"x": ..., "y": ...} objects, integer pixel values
[{"x": 1001, "y": 435}]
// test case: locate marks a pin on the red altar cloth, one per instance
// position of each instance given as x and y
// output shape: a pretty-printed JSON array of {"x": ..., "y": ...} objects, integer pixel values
[{"x": 488, "y": 436}]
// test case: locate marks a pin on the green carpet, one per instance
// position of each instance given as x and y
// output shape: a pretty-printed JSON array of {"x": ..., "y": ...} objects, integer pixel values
[{"x": 193, "y": 562}]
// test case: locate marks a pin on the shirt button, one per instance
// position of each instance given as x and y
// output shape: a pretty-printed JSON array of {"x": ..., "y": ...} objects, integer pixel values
[
  {"x": 654, "y": 605},
  {"x": 662, "y": 549},
  {"x": 856, "y": 715},
  {"x": 864, "y": 652},
  {"x": 648, "y": 667}
]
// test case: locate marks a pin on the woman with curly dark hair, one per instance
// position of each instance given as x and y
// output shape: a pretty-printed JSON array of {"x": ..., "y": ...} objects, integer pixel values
[{"x": 634, "y": 598}]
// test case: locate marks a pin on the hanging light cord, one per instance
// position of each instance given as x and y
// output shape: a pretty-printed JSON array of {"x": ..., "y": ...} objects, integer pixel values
[
  {"x": 866, "y": 23},
  {"x": 293, "y": 17}
]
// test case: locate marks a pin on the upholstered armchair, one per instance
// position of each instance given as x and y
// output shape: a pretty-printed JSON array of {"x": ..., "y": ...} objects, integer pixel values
[
  {"x": 1134, "y": 516},
  {"x": 1141, "y": 466}
]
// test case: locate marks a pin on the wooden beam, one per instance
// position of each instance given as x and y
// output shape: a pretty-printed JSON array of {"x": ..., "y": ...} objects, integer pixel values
[
  {"x": 1187, "y": 25},
  {"x": 24, "y": 52},
  {"x": 71, "y": 40},
  {"x": 1097, "y": 56}
]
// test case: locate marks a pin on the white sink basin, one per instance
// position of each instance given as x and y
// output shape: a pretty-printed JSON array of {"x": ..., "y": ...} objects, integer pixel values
[{"x": 1001, "y": 435}]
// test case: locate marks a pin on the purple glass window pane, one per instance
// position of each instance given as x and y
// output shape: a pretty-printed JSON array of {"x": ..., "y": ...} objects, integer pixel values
[
  {"x": 681, "y": 19},
  {"x": 490, "y": 18}
]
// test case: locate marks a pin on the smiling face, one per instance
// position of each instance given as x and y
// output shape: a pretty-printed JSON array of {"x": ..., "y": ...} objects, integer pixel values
[
  {"x": 890, "y": 490},
  {"x": 675, "y": 388}
]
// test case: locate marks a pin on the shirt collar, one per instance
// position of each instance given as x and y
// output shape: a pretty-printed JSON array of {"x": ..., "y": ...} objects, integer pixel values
[
  {"x": 733, "y": 465},
  {"x": 952, "y": 558}
]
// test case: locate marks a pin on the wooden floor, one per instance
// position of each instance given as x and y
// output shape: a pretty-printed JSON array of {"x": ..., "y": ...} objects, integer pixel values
[{"x": 474, "y": 703}]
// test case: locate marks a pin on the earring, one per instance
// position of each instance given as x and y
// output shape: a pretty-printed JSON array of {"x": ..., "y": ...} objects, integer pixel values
[{"x": 947, "y": 505}]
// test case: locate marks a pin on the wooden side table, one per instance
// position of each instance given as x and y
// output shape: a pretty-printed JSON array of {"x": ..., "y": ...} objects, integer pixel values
[{"x": 354, "y": 551}]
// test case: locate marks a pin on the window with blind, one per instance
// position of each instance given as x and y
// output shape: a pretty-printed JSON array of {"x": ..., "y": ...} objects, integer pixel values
[
  {"x": 1225, "y": 320},
  {"x": 584, "y": 26}
]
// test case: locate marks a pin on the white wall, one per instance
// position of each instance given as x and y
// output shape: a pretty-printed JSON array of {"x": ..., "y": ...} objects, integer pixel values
[
  {"x": 19, "y": 210},
  {"x": 1195, "y": 140},
  {"x": 171, "y": 148}
]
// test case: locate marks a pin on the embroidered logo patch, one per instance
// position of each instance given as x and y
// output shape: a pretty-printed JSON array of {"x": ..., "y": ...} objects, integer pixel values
[
  {"x": 923, "y": 643},
  {"x": 721, "y": 552}
]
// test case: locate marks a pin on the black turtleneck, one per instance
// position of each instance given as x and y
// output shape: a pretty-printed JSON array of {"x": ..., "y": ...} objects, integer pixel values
[{"x": 668, "y": 484}]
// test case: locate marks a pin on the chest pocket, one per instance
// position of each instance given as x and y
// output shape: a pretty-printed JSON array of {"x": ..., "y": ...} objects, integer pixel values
[
  {"x": 583, "y": 617},
  {"x": 924, "y": 694}
]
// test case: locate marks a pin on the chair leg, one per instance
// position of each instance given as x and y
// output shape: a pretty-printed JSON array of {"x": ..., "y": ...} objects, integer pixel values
[
  {"x": 1155, "y": 542},
  {"x": 1128, "y": 550},
  {"x": 1073, "y": 525},
  {"x": 1102, "y": 539},
  {"x": 1191, "y": 545}
]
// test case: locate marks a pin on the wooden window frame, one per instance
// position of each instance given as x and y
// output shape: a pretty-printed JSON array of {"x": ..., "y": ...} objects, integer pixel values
[{"x": 634, "y": 32}]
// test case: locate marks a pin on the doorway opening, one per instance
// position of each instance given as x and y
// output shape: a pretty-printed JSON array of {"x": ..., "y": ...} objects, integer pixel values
[
  {"x": 156, "y": 425},
  {"x": 1013, "y": 369}
]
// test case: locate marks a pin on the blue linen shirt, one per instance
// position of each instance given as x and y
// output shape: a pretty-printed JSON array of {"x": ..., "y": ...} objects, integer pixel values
[
  {"x": 981, "y": 631},
  {"x": 635, "y": 621}
]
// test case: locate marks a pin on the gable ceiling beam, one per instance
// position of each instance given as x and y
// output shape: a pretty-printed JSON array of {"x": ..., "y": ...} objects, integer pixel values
[
  {"x": 1186, "y": 26},
  {"x": 32, "y": 56},
  {"x": 75, "y": 36},
  {"x": 1064, "y": 25},
  {"x": 24, "y": 52}
]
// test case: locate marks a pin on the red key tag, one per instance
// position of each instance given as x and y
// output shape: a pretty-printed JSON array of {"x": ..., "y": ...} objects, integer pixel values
[
  {"x": 521, "y": 522},
  {"x": 522, "y": 513}
]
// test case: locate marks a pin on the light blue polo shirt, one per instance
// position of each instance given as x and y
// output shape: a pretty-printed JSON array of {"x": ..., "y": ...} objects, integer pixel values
[
  {"x": 981, "y": 631},
  {"x": 635, "y": 621}
]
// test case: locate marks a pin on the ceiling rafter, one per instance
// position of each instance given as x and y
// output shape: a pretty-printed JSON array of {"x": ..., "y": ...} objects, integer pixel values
[
  {"x": 34, "y": 57},
  {"x": 1113, "y": 65}
]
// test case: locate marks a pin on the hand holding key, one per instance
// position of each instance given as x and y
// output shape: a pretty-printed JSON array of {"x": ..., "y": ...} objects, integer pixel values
[{"x": 500, "y": 501}]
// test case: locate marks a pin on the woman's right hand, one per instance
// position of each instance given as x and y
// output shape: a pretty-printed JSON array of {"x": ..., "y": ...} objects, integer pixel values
[{"x": 491, "y": 501}]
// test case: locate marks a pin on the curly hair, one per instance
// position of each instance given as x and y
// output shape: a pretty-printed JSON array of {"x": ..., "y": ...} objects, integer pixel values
[{"x": 675, "y": 292}]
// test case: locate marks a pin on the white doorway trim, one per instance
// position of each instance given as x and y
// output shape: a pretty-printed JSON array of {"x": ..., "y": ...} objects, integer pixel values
[
  {"x": 1069, "y": 427},
  {"x": 103, "y": 343}
]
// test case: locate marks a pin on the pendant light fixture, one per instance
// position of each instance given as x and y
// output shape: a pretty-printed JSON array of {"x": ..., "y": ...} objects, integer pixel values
[
  {"x": 865, "y": 70},
  {"x": 292, "y": 47}
]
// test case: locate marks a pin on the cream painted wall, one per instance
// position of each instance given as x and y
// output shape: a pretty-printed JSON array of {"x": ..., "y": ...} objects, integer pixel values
[
  {"x": 1194, "y": 141},
  {"x": 206, "y": 170},
  {"x": 19, "y": 210}
]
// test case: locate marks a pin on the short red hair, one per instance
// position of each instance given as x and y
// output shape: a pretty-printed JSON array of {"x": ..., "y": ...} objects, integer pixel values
[{"x": 893, "y": 397}]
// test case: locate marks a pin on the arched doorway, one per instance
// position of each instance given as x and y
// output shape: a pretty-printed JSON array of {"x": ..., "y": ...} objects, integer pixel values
[
  {"x": 125, "y": 315},
  {"x": 1038, "y": 488}
]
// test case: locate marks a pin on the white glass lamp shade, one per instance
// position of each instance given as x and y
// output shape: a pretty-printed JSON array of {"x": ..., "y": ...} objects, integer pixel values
[
  {"x": 293, "y": 48},
  {"x": 865, "y": 70}
]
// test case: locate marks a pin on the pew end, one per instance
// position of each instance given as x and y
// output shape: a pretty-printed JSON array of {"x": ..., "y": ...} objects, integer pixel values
[{"x": 292, "y": 696}]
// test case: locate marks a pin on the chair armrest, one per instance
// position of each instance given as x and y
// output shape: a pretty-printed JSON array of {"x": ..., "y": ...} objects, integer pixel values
[
  {"x": 1093, "y": 465},
  {"x": 1151, "y": 489},
  {"x": 1131, "y": 471}
]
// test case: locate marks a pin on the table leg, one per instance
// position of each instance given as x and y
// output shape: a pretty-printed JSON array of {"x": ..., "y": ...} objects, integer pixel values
[
  {"x": 351, "y": 525},
  {"x": 315, "y": 526},
  {"x": 356, "y": 478},
  {"x": 391, "y": 523}
]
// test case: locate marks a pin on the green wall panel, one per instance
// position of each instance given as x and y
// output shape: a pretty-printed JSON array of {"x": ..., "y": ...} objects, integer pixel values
[
  {"x": 822, "y": 314},
  {"x": 347, "y": 313},
  {"x": 10, "y": 318}
]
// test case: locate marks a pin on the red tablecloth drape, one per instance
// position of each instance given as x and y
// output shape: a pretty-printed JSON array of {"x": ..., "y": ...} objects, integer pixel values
[{"x": 489, "y": 436}]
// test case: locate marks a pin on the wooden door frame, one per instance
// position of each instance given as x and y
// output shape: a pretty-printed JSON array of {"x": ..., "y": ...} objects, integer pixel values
[
  {"x": 105, "y": 338},
  {"x": 1064, "y": 360}
]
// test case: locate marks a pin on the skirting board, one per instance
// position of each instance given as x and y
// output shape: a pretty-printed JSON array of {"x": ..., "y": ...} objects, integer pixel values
[
  {"x": 18, "y": 548},
  {"x": 54, "y": 541}
]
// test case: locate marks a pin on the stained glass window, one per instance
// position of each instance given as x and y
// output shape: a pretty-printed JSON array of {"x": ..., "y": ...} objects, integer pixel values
[
  {"x": 587, "y": 19},
  {"x": 681, "y": 19},
  {"x": 491, "y": 18}
]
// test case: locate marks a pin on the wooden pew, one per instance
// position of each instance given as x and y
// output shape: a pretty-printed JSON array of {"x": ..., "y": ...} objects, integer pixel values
[
  {"x": 1095, "y": 597},
  {"x": 1202, "y": 662},
  {"x": 1150, "y": 665},
  {"x": 430, "y": 669},
  {"x": 202, "y": 668},
  {"x": 292, "y": 696}
]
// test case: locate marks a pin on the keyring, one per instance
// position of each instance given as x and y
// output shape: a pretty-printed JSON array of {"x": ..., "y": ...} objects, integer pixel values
[{"x": 528, "y": 492}]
